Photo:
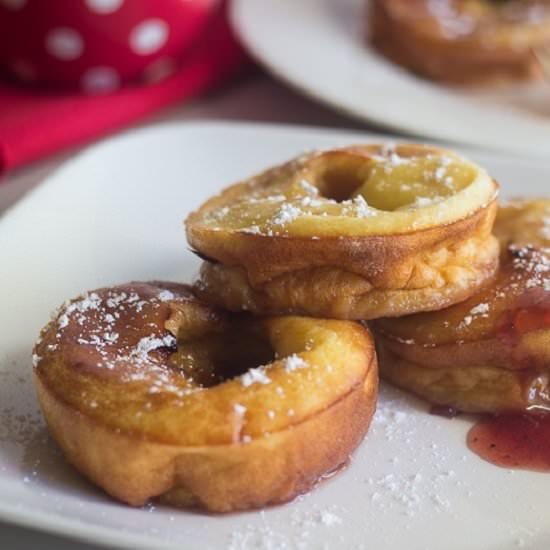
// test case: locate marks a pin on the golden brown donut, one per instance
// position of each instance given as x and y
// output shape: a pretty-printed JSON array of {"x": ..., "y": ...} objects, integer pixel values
[
  {"x": 462, "y": 41},
  {"x": 151, "y": 393},
  {"x": 354, "y": 233},
  {"x": 492, "y": 352}
]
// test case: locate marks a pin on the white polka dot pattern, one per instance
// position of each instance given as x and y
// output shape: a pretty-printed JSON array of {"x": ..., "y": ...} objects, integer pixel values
[
  {"x": 149, "y": 36},
  {"x": 97, "y": 46},
  {"x": 104, "y": 6},
  {"x": 64, "y": 43},
  {"x": 99, "y": 80}
]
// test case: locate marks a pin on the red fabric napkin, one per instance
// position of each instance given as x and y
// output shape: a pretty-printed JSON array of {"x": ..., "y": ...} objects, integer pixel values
[{"x": 35, "y": 123}]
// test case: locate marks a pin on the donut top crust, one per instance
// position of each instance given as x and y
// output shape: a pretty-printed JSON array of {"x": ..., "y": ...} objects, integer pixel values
[
  {"x": 524, "y": 223},
  {"x": 517, "y": 25},
  {"x": 147, "y": 358},
  {"x": 354, "y": 191},
  {"x": 522, "y": 284}
]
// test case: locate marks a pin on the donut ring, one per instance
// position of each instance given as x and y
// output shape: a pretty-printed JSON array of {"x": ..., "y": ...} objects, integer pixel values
[
  {"x": 151, "y": 393},
  {"x": 354, "y": 233},
  {"x": 492, "y": 352},
  {"x": 462, "y": 41}
]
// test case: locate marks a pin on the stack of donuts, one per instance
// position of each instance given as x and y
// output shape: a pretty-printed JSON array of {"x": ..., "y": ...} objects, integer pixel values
[
  {"x": 250, "y": 386},
  {"x": 463, "y": 41}
]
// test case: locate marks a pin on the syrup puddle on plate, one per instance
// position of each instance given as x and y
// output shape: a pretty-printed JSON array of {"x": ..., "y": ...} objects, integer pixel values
[
  {"x": 513, "y": 441},
  {"x": 518, "y": 441}
]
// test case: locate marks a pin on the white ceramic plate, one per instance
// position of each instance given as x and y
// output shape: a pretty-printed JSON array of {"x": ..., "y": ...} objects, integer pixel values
[
  {"x": 114, "y": 214},
  {"x": 319, "y": 46}
]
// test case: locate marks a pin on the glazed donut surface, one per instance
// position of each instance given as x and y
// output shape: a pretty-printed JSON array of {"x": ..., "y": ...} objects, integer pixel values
[
  {"x": 492, "y": 352},
  {"x": 151, "y": 393},
  {"x": 357, "y": 233}
]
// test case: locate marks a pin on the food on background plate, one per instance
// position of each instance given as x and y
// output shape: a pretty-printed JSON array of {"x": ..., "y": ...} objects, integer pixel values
[
  {"x": 462, "y": 41},
  {"x": 354, "y": 233},
  {"x": 152, "y": 393},
  {"x": 490, "y": 353}
]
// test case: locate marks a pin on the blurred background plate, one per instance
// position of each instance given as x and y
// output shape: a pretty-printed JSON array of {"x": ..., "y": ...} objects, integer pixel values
[{"x": 320, "y": 47}]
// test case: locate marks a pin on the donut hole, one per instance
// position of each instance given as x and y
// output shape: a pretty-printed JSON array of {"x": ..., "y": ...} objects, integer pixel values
[
  {"x": 400, "y": 183},
  {"x": 338, "y": 175},
  {"x": 220, "y": 356}
]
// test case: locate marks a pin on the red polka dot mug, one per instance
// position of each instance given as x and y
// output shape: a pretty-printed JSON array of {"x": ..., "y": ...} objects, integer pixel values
[{"x": 96, "y": 45}]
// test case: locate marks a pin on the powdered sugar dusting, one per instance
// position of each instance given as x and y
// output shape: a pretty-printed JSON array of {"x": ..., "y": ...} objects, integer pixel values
[
  {"x": 151, "y": 343},
  {"x": 287, "y": 213},
  {"x": 358, "y": 207},
  {"x": 330, "y": 518},
  {"x": 298, "y": 533},
  {"x": 308, "y": 187},
  {"x": 534, "y": 263},
  {"x": 88, "y": 302},
  {"x": 293, "y": 362},
  {"x": 479, "y": 311},
  {"x": 399, "y": 476},
  {"x": 412, "y": 485},
  {"x": 239, "y": 409},
  {"x": 423, "y": 202},
  {"x": 165, "y": 295},
  {"x": 530, "y": 271},
  {"x": 113, "y": 329},
  {"x": 253, "y": 230},
  {"x": 255, "y": 376},
  {"x": 453, "y": 24}
]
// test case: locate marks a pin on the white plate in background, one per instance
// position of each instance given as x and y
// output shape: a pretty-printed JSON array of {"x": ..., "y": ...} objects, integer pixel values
[
  {"x": 114, "y": 214},
  {"x": 320, "y": 47}
]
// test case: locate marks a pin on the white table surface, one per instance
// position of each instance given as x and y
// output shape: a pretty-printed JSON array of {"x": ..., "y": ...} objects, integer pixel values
[{"x": 254, "y": 99}]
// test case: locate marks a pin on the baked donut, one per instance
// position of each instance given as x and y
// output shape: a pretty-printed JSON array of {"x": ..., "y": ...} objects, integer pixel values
[
  {"x": 462, "y": 41},
  {"x": 354, "y": 233},
  {"x": 490, "y": 353},
  {"x": 151, "y": 393}
]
